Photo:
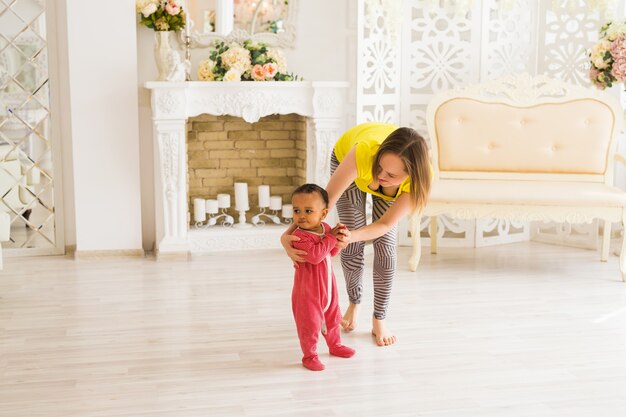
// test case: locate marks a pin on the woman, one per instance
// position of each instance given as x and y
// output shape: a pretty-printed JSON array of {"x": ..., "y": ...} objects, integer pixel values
[{"x": 391, "y": 164}]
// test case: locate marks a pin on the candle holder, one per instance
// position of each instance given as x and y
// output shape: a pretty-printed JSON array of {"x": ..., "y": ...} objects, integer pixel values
[
  {"x": 212, "y": 220},
  {"x": 242, "y": 221},
  {"x": 287, "y": 213},
  {"x": 273, "y": 216},
  {"x": 187, "y": 57}
]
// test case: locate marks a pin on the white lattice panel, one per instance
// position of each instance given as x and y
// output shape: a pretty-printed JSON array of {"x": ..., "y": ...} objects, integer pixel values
[
  {"x": 563, "y": 44},
  {"x": 437, "y": 49},
  {"x": 577, "y": 235},
  {"x": 443, "y": 49},
  {"x": 507, "y": 47},
  {"x": 507, "y": 38},
  {"x": 440, "y": 48},
  {"x": 378, "y": 60}
]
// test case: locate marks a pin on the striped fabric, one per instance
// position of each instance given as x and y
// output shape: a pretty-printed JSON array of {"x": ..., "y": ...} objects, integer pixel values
[{"x": 351, "y": 210}]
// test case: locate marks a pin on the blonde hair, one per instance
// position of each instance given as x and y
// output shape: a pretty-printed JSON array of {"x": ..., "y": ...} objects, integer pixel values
[{"x": 413, "y": 151}]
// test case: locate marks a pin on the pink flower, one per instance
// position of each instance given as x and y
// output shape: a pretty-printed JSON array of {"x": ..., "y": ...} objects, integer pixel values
[
  {"x": 593, "y": 76},
  {"x": 270, "y": 69},
  {"x": 172, "y": 8},
  {"x": 618, "y": 52},
  {"x": 258, "y": 73},
  {"x": 618, "y": 47}
]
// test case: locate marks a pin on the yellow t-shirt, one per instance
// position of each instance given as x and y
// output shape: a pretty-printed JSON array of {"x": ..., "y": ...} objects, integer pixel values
[{"x": 366, "y": 139}]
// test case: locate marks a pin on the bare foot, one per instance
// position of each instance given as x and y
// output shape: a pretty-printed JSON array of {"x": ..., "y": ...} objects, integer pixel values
[
  {"x": 348, "y": 322},
  {"x": 383, "y": 336}
]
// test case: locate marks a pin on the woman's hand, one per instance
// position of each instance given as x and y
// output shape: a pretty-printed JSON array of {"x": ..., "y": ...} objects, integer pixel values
[
  {"x": 343, "y": 235},
  {"x": 296, "y": 255}
]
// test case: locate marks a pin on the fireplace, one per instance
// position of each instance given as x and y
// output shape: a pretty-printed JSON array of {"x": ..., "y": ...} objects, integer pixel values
[
  {"x": 222, "y": 150},
  {"x": 319, "y": 107}
]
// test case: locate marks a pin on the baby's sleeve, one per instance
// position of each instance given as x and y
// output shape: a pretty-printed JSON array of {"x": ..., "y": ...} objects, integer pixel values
[{"x": 316, "y": 249}]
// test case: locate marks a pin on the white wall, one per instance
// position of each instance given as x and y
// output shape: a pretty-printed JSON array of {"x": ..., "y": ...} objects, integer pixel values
[
  {"x": 322, "y": 53},
  {"x": 322, "y": 41},
  {"x": 98, "y": 65}
]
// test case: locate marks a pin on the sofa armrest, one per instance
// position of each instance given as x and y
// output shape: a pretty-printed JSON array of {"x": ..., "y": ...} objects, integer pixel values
[{"x": 620, "y": 158}]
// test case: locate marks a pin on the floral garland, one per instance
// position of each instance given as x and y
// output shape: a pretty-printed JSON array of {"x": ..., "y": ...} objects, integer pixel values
[
  {"x": 608, "y": 56},
  {"x": 248, "y": 62}
]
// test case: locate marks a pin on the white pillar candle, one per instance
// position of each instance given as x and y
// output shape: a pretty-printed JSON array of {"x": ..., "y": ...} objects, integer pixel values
[
  {"x": 264, "y": 196},
  {"x": 276, "y": 202},
  {"x": 223, "y": 201},
  {"x": 212, "y": 206},
  {"x": 287, "y": 211},
  {"x": 199, "y": 212},
  {"x": 224, "y": 20},
  {"x": 241, "y": 196}
]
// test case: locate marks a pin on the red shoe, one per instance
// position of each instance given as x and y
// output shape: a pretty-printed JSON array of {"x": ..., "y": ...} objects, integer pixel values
[
  {"x": 342, "y": 351},
  {"x": 313, "y": 363}
]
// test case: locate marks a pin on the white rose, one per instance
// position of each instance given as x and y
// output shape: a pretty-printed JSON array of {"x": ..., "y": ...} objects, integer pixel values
[
  {"x": 149, "y": 9},
  {"x": 205, "y": 70},
  {"x": 277, "y": 56},
  {"x": 241, "y": 66},
  {"x": 236, "y": 57},
  {"x": 615, "y": 30},
  {"x": 142, "y": 4},
  {"x": 232, "y": 75},
  {"x": 598, "y": 52}
]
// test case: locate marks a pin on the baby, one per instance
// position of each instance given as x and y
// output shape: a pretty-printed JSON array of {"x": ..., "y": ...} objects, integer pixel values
[{"x": 314, "y": 296}]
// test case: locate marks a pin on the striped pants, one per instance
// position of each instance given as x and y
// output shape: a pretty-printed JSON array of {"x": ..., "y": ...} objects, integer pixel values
[{"x": 351, "y": 210}]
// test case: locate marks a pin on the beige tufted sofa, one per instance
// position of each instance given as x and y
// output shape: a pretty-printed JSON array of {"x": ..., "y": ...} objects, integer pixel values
[{"x": 524, "y": 148}]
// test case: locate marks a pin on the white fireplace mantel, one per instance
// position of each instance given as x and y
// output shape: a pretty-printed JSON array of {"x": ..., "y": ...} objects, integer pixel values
[{"x": 323, "y": 103}]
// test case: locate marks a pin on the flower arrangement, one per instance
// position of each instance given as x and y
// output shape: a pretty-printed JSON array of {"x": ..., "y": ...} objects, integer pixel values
[
  {"x": 608, "y": 56},
  {"x": 247, "y": 62},
  {"x": 161, "y": 15}
]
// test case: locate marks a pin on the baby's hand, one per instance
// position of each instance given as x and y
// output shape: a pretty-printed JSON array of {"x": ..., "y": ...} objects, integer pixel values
[{"x": 341, "y": 232}]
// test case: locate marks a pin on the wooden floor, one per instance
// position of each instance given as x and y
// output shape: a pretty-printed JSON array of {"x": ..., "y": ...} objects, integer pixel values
[{"x": 524, "y": 330}]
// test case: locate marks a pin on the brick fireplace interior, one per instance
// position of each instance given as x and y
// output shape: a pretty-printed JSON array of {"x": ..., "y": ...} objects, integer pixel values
[{"x": 222, "y": 150}]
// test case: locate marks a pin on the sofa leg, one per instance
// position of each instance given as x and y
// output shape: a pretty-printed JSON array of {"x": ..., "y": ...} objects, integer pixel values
[
  {"x": 415, "y": 223},
  {"x": 433, "y": 234},
  {"x": 606, "y": 241}
]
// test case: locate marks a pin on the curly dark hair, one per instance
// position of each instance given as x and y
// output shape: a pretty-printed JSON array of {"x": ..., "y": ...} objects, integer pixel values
[{"x": 310, "y": 189}]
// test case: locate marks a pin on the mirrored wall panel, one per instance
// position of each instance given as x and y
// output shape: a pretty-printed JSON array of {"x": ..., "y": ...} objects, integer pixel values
[{"x": 26, "y": 186}]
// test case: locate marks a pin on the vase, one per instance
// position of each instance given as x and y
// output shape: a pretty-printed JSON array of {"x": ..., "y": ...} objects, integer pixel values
[{"x": 168, "y": 60}]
